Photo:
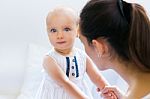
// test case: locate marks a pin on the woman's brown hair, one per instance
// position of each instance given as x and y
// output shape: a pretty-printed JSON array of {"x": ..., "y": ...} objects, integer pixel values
[
  {"x": 125, "y": 26},
  {"x": 139, "y": 38}
]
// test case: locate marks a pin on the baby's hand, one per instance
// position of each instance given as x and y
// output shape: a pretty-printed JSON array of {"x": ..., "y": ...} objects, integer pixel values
[{"x": 111, "y": 92}]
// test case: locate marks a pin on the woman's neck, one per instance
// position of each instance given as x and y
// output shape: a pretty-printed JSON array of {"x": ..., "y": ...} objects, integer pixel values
[
  {"x": 127, "y": 72},
  {"x": 64, "y": 51},
  {"x": 137, "y": 80}
]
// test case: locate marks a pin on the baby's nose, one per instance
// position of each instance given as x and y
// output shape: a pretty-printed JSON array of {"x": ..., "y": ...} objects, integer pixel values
[{"x": 60, "y": 35}]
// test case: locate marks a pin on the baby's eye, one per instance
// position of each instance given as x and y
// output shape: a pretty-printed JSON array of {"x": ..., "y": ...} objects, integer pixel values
[
  {"x": 67, "y": 29},
  {"x": 53, "y": 30}
]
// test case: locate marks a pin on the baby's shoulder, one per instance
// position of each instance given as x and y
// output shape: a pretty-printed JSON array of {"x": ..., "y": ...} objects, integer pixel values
[
  {"x": 81, "y": 54},
  {"x": 48, "y": 58},
  {"x": 80, "y": 51}
]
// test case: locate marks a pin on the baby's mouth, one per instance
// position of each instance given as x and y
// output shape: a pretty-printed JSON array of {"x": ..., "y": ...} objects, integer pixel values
[{"x": 61, "y": 42}]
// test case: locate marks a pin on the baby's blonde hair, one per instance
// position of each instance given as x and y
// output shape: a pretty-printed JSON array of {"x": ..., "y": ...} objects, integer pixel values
[{"x": 63, "y": 9}]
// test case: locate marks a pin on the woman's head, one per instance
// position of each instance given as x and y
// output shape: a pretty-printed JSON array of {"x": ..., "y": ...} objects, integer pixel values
[{"x": 122, "y": 29}]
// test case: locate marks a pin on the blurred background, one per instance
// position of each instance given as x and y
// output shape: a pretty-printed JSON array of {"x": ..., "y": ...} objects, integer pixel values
[{"x": 23, "y": 41}]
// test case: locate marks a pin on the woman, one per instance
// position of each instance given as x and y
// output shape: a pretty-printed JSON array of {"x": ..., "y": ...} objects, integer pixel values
[{"x": 116, "y": 35}]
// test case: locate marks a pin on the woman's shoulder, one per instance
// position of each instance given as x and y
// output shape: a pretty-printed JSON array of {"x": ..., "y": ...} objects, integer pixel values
[{"x": 147, "y": 96}]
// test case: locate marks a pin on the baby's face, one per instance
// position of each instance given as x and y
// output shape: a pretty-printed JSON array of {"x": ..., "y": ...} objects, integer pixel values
[{"x": 62, "y": 30}]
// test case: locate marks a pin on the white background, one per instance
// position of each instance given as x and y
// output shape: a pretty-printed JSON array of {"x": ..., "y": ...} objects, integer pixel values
[{"x": 23, "y": 22}]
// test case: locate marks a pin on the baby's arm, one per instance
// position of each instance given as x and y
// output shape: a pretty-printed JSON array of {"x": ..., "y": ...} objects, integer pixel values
[
  {"x": 107, "y": 92},
  {"x": 54, "y": 70},
  {"x": 94, "y": 74}
]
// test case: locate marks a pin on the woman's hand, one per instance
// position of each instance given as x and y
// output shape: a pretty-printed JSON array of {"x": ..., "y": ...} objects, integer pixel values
[{"x": 111, "y": 92}]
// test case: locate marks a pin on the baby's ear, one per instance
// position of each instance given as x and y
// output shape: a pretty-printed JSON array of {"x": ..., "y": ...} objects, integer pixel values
[
  {"x": 78, "y": 31},
  {"x": 77, "y": 35},
  {"x": 78, "y": 19},
  {"x": 78, "y": 27}
]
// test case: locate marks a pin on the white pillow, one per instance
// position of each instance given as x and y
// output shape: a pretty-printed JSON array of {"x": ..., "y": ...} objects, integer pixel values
[
  {"x": 33, "y": 74},
  {"x": 12, "y": 62},
  {"x": 7, "y": 96}
]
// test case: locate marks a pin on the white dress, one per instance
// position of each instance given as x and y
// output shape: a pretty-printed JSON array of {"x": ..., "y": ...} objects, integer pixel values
[{"x": 74, "y": 67}]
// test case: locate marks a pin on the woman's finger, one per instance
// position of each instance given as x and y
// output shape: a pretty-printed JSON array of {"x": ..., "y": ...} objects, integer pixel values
[
  {"x": 106, "y": 95},
  {"x": 109, "y": 95},
  {"x": 114, "y": 95}
]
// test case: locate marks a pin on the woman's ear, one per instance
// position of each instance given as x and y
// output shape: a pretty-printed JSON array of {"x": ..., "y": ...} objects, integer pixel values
[{"x": 100, "y": 46}]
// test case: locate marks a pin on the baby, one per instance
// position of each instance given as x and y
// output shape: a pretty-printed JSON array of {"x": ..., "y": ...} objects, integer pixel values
[{"x": 65, "y": 66}]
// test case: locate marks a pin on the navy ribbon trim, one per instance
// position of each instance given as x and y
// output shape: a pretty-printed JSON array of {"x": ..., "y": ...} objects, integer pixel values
[
  {"x": 77, "y": 71},
  {"x": 68, "y": 66}
]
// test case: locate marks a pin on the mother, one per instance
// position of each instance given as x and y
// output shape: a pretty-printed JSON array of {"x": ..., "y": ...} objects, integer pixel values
[{"x": 116, "y": 35}]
